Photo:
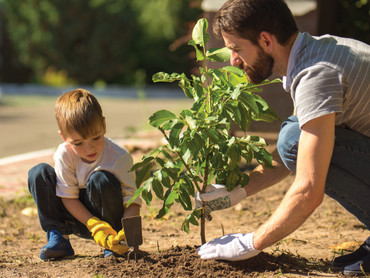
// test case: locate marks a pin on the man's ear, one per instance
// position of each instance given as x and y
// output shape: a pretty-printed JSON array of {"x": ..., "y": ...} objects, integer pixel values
[
  {"x": 266, "y": 41},
  {"x": 61, "y": 134}
]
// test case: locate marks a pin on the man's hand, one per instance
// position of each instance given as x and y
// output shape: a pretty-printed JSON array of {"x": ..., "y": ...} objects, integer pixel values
[
  {"x": 217, "y": 197},
  {"x": 105, "y": 236},
  {"x": 232, "y": 247}
]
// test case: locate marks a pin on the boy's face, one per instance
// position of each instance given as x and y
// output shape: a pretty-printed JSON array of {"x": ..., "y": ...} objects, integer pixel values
[{"x": 88, "y": 149}]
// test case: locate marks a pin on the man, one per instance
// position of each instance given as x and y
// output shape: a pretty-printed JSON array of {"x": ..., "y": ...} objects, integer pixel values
[{"x": 326, "y": 144}]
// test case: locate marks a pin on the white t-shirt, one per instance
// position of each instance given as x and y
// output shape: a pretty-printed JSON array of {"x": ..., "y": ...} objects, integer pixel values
[{"x": 73, "y": 173}]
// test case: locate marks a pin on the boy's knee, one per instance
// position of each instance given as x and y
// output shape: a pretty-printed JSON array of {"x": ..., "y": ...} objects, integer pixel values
[
  {"x": 39, "y": 175},
  {"x": 104, "y": 180},
  {"x": 38, "y": 171}
]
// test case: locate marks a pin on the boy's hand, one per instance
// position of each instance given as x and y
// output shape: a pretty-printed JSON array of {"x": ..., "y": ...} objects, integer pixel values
[
  {"x": 120, "y": 238},
  {"x": 105, "y": 236}
]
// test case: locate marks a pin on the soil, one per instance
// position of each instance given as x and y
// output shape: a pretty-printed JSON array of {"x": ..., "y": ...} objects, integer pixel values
[{"x": 169, "y": 252}]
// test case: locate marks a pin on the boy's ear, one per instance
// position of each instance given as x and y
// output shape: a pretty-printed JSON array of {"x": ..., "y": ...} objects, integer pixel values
[
  {"x": 61, "y": 134},
  {"x": 105, "y": 125}
]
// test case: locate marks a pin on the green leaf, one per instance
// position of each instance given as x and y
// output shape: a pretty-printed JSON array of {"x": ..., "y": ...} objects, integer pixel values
[
  {"x": 199, "y": 53},
  {"x": 234, "y": 156},
  {"x": 245, "y": 117},
  {"x": 142, "y": 163},
  {"x": 245, "y": 180},
  {"x": 218, "y": 54},
  {"x": 184, "y": 199},
  {"x": 265, "y": 112},
  {"x": 235, "y": 94},
  {"x": 237, "y": 71},
  {"x": 185, "y": 226},
  {"x": 147, "y": 192},
  {"x": 185, "y": 85},
  {"x": 213, "y": 135},
  {"x": 136, "y": 194},
  {"x": 188, "y": 186},
  {"x": 232, "y": 180},
  {"x": 165, "y": 77},
  {"x": 161, "y": 117},
  {"x": 263, "y": 157},
  {"x": 186, "y": 155},
  {"x": 174, "y": 134},
  {"x": 199, "y": 33},
  {"x": 171, "y": 198},
  {"x": 143, "y": 174},
  {"x": 191, "y": 122},
  {"x": 190, "y": 218},
  {"x": 253, "y": 139},
  {"x": 249, "y": 101},
  {"x": 157, "y": 188}
]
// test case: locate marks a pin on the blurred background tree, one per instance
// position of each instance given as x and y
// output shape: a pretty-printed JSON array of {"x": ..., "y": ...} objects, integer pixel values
[
  {"x": 346, "y": 18},
  {"x": 122, "y": 41},
  {"x": 94, "y": 41}
]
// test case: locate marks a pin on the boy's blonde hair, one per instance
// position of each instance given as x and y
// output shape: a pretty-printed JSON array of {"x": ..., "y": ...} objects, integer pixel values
[{"x": 79, "y": 111}]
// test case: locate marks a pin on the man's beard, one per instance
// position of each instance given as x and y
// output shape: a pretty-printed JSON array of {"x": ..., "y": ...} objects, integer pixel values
[{"x": 261, "y": 69}]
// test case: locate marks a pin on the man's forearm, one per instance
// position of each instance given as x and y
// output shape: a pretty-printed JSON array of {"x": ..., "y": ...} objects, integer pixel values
[
  {"x": 263, "y": 177},
  {"x": 296, "y": 206},
  {"x": 316, "y": 145}
]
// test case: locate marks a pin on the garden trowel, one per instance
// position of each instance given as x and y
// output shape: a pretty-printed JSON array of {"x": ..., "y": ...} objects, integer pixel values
[{"x": 133, "y": 233}]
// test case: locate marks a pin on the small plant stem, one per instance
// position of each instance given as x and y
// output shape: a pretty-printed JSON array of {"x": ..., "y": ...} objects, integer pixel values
[
  {"x": 203, "y": 214},
  {"x": 203, "y": 227}
]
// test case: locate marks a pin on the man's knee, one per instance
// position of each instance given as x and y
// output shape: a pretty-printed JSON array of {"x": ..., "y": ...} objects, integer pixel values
[{"x": 287, "y": 144}]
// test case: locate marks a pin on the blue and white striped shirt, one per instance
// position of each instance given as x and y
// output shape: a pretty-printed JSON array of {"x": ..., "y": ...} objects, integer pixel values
[{"x": 329, "y": 74}]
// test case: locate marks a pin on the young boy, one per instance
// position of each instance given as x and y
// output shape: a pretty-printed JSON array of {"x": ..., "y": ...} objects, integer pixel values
[{"x": 85, "y": 194}]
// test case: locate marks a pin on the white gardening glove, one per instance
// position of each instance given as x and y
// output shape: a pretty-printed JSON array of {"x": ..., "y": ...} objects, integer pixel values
[
  {"x": 232, "y": 247},
  {"x": 217, "y": 197}
]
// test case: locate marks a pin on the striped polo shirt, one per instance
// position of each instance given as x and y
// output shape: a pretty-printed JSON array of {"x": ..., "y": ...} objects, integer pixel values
[{"x": 330, "y": 74}]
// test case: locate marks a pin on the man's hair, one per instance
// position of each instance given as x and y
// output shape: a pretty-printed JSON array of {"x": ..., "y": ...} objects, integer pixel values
[
  {"x": 79, "y": 111},
  {"x": 248, "y": 18}
]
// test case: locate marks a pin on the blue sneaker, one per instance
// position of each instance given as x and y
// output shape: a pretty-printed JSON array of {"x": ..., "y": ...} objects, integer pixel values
[
  {"x": 109, "y": 253},
  {"x": 354, "y": 257},
  {"x": 359, "y": 268},
  {"x": 57, "y": 247}
]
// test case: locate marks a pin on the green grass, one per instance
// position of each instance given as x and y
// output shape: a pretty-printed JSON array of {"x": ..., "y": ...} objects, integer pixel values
[{"x": 24, "y": 101}]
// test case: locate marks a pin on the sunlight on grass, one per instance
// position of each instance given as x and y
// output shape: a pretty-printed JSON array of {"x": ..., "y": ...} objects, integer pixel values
[{"x": 23, "y": 101}]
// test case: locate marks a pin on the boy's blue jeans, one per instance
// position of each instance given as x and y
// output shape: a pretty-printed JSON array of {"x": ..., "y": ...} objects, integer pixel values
[
  {"x": 102, "y": 197},
  {"x": 348, "y": 180}
]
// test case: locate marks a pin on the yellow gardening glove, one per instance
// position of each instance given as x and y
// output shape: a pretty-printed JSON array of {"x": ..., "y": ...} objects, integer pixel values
[
  {"x": 105, "y": 236},
  {"x": 120, "y": 238}
]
